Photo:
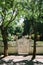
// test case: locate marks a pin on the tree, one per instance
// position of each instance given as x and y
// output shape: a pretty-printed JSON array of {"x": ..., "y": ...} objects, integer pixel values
[
  {"x": 33, "y": 10},
  {"x": 8, "y": 13},
  {"x": 37, "y": 19}
]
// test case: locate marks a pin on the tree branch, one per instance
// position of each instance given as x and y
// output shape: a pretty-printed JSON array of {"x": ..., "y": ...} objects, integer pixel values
[{"x": 12, "y": 19}]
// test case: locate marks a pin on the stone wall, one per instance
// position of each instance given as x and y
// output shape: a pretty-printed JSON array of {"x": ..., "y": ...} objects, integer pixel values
[
  {"x": 12, "y": 47},
  {"x": 22, "y": 46}
]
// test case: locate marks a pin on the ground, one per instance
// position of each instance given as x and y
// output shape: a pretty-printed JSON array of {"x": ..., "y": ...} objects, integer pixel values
[{"x": 21, "y": 60}]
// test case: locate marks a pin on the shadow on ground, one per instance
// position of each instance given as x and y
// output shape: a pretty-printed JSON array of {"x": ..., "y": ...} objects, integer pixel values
[{"x": 24, "y": 62}]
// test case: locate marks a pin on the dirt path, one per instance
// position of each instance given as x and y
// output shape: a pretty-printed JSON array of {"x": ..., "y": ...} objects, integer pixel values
[{"x": 21, "y": 60}]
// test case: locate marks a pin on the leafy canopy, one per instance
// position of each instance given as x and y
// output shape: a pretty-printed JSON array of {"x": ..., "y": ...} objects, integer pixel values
[{"x": 13, "y": 9}]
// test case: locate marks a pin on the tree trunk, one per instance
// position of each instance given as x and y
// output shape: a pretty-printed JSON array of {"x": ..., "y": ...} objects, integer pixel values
[
  {"x": 5, "y": 48},
  {"x": 4, "y": 36},
  {"x": 35, "y": 36},
  {"x": 34, "y": 24},
  {"x": 34, "y": 47}
]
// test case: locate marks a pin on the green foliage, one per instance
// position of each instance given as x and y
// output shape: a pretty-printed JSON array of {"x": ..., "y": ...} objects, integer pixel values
[
  {"x": 28, "y": 8},
  {"x": 16, "y": 30},
  {"x": 32, "y": 9},
  {"x": 40, "y": 28}
]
